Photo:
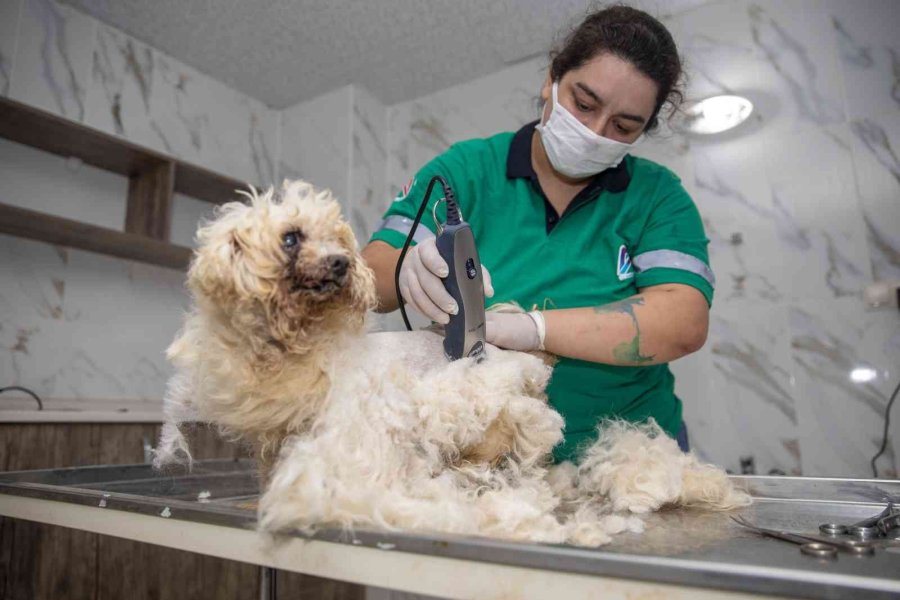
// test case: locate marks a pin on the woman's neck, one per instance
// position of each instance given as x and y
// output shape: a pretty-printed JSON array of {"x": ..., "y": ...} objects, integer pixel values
[{"x": 559, "y": 189}]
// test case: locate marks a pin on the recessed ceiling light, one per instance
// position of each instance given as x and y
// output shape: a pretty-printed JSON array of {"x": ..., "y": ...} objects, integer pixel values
[
  {"x": 863, "y": 374},
  {"x": 717, "y": 114}
]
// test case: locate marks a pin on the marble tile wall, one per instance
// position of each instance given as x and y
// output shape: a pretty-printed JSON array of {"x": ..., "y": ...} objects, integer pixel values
[
  {"x": 67, "y": 63},
  {"x": 802, "y": 208},
  {"x": 424, "y": 127},
  {"x": 73, "y": 324},
  {"x": 153, "y": 100},
  {"x": 316, "y": 141},
  {"x": 9, "y": 21},
  {"x": 52, "y": 67},
  {"x": 368, "y": 161},
  {"x": 788, "y": 216},
  {"x": 64, "y": 334},
  {"x": 77, "y": 325},
  {"x": 364, "y": 205}
]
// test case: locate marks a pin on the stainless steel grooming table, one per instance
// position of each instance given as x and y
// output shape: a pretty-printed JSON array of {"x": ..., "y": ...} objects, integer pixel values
[{"x": 682, "y": 554}]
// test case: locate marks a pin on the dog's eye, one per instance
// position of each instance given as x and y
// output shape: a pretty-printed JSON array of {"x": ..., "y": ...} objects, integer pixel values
[{"x": 291, "y": 239}]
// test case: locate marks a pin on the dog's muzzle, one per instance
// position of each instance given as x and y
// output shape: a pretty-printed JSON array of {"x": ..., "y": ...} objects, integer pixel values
[{"x": 330, "y": 277}]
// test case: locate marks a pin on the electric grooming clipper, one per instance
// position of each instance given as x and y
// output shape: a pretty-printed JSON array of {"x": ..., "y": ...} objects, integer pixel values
[{"x": 465, "y": 333}]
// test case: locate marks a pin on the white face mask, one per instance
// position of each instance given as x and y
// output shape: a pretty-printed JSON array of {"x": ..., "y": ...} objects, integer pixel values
[{"x": 573, "y": 149}]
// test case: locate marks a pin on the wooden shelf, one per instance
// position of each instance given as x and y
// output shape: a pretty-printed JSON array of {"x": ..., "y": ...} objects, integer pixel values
[
  {"x": 153, "y": 180},
  {"x": 39, "y": 226}
]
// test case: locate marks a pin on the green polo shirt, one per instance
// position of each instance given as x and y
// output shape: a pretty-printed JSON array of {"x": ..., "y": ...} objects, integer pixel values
[{"x": 632, "y": 227}]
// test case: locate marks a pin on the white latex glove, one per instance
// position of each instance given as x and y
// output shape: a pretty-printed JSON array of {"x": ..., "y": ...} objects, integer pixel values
[
  {"x": 515, "y": 331},
  {"x": 421, "y": 285}
]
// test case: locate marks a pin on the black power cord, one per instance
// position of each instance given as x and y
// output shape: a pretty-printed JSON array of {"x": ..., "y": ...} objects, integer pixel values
[
  {"x": 26, "y": 390},
  {"x": 452, "y": 218},
  {"x": 887, "y": 424}
]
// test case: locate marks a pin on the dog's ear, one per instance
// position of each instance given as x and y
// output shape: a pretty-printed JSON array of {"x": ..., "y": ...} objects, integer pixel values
[
  {"x": 219, "y": 247},
  {"x": 236, "y": 246},
  {"x": 362, "y": 279},
  {"x": 344, "y": 233},
  {"x": 362, "y": 285}
]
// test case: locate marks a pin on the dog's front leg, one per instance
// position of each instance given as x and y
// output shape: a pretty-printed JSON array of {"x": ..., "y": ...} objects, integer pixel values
[
  {"x": 266, "y": 451},
  {"x": 178, "y": 408}
]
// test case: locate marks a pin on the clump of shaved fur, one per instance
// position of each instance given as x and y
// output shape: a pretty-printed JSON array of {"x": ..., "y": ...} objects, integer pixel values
[{"x": 638, "y": 468}]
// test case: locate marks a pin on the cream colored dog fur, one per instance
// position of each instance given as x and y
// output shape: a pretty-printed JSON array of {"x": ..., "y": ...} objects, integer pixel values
[{"x": 378, "y": 428}]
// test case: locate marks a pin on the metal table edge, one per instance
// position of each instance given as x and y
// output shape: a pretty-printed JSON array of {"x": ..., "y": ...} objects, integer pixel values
[{"x": 569, "y": 559}]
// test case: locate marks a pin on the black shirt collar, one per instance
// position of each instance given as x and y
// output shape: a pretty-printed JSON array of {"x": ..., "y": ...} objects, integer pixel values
[{"x": 518, "y": 164}]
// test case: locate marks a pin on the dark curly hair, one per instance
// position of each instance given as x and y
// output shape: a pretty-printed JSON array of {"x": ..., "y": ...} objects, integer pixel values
[{"x": 634, "y": 36}]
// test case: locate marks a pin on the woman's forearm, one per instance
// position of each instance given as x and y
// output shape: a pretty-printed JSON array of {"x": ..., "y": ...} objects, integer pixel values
[
  {"x": 382, "y": 259},
  {"x": 658, "y": 325}
]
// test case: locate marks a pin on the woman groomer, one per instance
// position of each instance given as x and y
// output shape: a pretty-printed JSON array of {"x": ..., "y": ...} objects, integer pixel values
[{"x": 608, "y": 250}]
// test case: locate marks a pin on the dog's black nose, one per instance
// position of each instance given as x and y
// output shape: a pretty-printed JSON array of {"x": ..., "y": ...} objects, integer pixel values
[{"x": 338, "y": 264}]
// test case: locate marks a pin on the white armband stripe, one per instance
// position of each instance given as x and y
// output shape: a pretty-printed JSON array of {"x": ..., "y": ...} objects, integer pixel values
[
  {"x": 672, "y": 259},
  {"x": 402, "y": 225}
]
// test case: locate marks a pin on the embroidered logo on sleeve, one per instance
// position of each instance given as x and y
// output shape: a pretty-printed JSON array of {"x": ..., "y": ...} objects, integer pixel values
[
  {"x": 405, "y": 191},
  {"x": 623, "y": 265}
]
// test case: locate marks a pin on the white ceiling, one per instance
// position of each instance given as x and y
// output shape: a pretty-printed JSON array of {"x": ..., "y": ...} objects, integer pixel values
[{"x": 286, "y": 51}]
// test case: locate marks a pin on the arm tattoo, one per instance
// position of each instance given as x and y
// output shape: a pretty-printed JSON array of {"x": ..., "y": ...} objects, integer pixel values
[{"x": 627, "y": 352}]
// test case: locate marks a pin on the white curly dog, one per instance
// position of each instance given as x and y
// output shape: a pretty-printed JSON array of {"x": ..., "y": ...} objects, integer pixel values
[{"x": 378, "y": 429}]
